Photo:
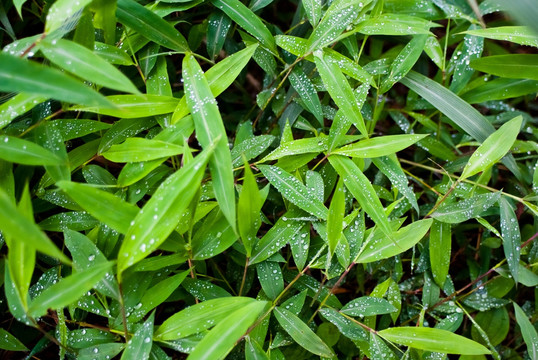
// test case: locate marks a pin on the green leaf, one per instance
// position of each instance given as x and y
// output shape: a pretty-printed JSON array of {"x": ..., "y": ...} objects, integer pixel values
[
  {"x": 270, "y": 277},
  {"x": 104, "y": 206},
  {"x": 493, "y": 148},
  {"x": 517, "y": 34},
  {"x": 222, "y": 338},
  {"x": 346, "y": 327},
  {"x": 394, "y": 24},
  {"x": 465, "y": 209},
  {"x": 304, "y": 87},
  {"x": 338, "y": 16},
  {"x": 15, "y": 224},
  {"x": 511, "y": 236},
  {"x": 199, "y": 317},
  {"x": 140, "y": 149},
  {"x": 459, "y": 111},
  {"x": 368, "y": 306},
  {"x": 380, "y": 247},
  {"x": 500, "y": 88},
  {"x": 287, "y": 227},
  {"x": 248, "y": 210},
  {"x": 440, "y": 251},
  {"x": 67, "y": 290},
  {"x": 150, "y": 25},
  {"x": 301, "y": 333},
  {"x": 22, "y": 75},
  {"x": 210, "y": 130},
  {"x": 218, "y": 25},
  {"x": 122, "y": 130},
  {"x": 219, "y": 77},
  {"x": 349, "y": 67},
  {"x": 404, "y": 62},
  {"x": 10, "y": 342},
  {"x": 112, "y": 54},
  {"x": 215, "y": 236},
  {"x": 139, "y": 346},
  {"x": 161, "y": 213},
  {"x": 62, "y": 12},
  {"x": 18, "y": 105},
  {"x": 312, "y": 9},
  {"x": 25, "y": 152},
  {"x": 527, "y": 330},
  {"x": 296, "y": 147},
  {"x": 432, "y": 339},
  {"x": 335, "y": 217},
  {"x": 340, "y": 90},
  {"x": 379, "y": 146},
  {"x": 294, "y": 190},
  {"x": 82, "y": 62},
  {"x": 361, "y": 188},
  {"x": 245, "y": 18},
  {"x": 134, "y": 106}
]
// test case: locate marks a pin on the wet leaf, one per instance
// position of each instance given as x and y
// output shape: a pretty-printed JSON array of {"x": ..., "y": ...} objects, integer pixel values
[
  {"x": 465, "y": 209},
  {"x": 139, "y": 346},
  {"x": 517, "y": 34},
  {"x": 379, "y": 146}
]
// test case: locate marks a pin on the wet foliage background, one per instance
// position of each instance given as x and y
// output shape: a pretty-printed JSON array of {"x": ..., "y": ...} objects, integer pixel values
[{"x": 268, "y": 179}]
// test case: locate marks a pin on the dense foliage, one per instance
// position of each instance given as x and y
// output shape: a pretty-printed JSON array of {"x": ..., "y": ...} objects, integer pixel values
[{"x": 269, "y": 179}]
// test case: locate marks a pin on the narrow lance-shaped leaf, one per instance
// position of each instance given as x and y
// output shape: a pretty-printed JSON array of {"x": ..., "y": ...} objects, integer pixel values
[
  {"x": 248, "y": 210},
  {"x": 139, "y": 346},
  {"x": 249, "y": 21},
  {"x": 151, "y": 25},
  {"x": 515, "y": 66},
  {"x": 381, "y": 247},
  {"x": 465, "y": 209},
  {"x": 340, "y": 90},
  {"x": 432, "y": 339},
  {"x": 361, "y": 188},
  {"x": 26, "y": 152},
  {"x": 210, "y": 130},
  {"x": 160, "y": 215},
  {"x": 16, "y": 225},
  {"x": 141, "y": 149},
  {"x": 368, "y": 306},
  {"x": 336, "y": 216},
  {"x": 61, "y": 12},
  {"x": 304, "y": 87},
  {"x": 459, "y": 111},
  {"x": 528, "y": 331},
  {"x": 22, "y": 75},
  {"x": 218, "y": 25},
  {"x": 511, "y": 236},
  {"x": 301, "y": 333},
  {"x": 518, "y": 34},
  {"x": 10, "y": 342},
  {"x": 222, "y": 338},
  {"x": 493, "y": 148},
  {"x": 440, "y": 251},
  {"x": 294, "y": 190},
  {"x": 404, "y": 62},
  {"x": 104, "y": 206},
  {"x": 379, "y": 146},
  {"x": 67, "y": 290},
  {"x": 18, "y": 105},
  {"x": 134, "y": 106},
  {"x": 312, "y": 10}
]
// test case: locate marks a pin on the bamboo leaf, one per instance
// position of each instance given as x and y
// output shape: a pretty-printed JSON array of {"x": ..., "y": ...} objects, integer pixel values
[
  {"x": 150, "y": 25},
  {"x": 381, "y": 247},
  {"x": 210, "y": 130},
  {"x": 104, "y": 206},
  {"x": 134, "y": 106},
  {"x": 465, "y": 209},
  {"x": 440, "y": 251},
  {"x": 432, "y": 339},
  {"x": 270, "y": 277},
  {"x": 493, "y": 148},
  {"x": 17, "y": 226},
  {"x": 301, "y": 333},
  {"x": 368, "y": 306},
  {"x": 10, "y": 342},
  {"x": 304, "y": 87},
  {"x": 62, "y": 12},
  {"x": 140, "y": 149},
  {"x": 361, "y": 188},
  {"x": 312, "y": 9},
  {"x": 248, "y": 210},
  {"x": 517, "y": 34},
  {"x": 245, "y": 18},
  {"x": 160, "y": 215},
  {"x": 379, "y": 146},
  {"x": 25, "y": 152},
  {"x": 511, "y": 236},
  {"x": 18, "y": 105},
  {"x": 82, "y": 62},
  {"x": 218, "y": 26},
  {"x": 67, "y": 290},
  {"x": 335, "y": 217},
  {"x": 296, "y": 147},
  {"x": 528, "y": 331},
  {"x": 222, "y": 338},
  {"x": 139, "y": 346},
  {"x": 340, "y": 90},
  {"x": 394, "y": 24},
  {"x": 340, "y": 14},
  {"x": 294, "y": 190},
  {"x": 22, "y": 75}
]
